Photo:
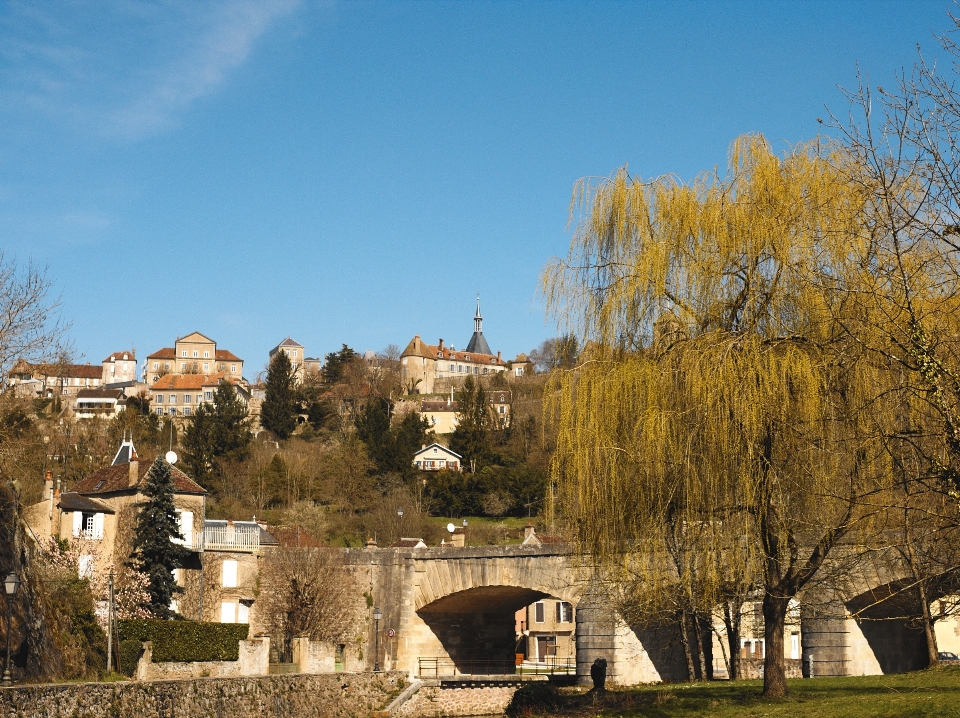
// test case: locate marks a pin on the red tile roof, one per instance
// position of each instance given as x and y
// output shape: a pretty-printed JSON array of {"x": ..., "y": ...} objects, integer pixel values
[
  {"x": 186, "y": 381},
  {"x": 165, "y": 353},
  {"x": 121, "y": 356},
  {"x": 416, "y": 347},
  {"x": 81, "y": 371},
  {"x": 117, "y": 478},
  {"x": 224, "y": 355}
]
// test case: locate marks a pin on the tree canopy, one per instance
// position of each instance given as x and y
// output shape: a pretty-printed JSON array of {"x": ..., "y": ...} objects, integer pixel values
[
  {"x": 217, "y": 432},
  {"x": 724, "y": 383}
]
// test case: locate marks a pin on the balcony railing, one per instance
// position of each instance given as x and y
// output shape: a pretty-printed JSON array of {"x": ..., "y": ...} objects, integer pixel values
[
  {"x": 227, "y": 538},
  {"x": 446, "y": 667}
]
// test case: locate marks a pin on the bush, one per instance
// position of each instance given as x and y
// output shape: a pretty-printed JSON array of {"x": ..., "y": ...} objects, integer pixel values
[
  {"x": 129, "y": 651},
  {"x": 534, "y": 698},
  {"x": 186, "y": 641}
]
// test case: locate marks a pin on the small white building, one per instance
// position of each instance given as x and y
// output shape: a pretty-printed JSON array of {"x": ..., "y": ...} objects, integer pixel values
[{"x": 436, "y": 457}]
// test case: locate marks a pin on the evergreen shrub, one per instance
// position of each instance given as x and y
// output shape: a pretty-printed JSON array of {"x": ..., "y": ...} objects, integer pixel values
[{"x": 186, "y": 641}]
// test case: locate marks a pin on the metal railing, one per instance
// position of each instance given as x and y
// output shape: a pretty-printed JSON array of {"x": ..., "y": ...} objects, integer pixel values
[
  {"x": 439, "y": 667},
  {"x": 226, "y": 538}
]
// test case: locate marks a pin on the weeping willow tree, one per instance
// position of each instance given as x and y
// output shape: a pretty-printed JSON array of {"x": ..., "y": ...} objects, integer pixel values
[{"x": 721, "y": 397}]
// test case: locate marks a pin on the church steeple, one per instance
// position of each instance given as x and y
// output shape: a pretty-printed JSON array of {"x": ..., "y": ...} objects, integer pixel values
[
  {"x": 477, "y": 344},
  {"x": 477, "y": 319}
]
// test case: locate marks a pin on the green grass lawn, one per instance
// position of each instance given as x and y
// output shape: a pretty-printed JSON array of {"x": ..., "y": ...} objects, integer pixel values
[{"x": 924, "y": 693}]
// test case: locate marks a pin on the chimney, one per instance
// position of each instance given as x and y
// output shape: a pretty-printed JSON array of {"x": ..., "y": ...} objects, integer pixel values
[
  {"x": 134, "y": 466},
  {"x": 441, "y": 343},
  {"x": 48, "y": 486},
  {"x": 498, "y": 356}
]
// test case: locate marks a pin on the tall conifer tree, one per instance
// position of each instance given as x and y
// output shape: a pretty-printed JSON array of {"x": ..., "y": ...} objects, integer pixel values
[
  {"x": 279, "y": 411},
  {"x": 154, "y": 554}
]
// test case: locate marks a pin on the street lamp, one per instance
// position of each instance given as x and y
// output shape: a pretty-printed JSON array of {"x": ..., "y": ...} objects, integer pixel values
[
  {"x": 377, "y": 615},
  {"x": 400, "y": 514},
  {"x": 10, "y": 585}
]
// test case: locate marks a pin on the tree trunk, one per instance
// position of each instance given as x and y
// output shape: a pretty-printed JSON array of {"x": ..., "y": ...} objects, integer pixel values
[
  {"x": 774, "y": 664},
  {"x": 685, "y": 640},
  {"x": 701, "y": 654},
  {"x": 933, "y": 651},
  {"x": 732, "y": 620}
]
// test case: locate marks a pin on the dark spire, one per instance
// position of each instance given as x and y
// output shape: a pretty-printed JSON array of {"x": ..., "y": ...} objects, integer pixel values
[{"x": 477, "y": 344}]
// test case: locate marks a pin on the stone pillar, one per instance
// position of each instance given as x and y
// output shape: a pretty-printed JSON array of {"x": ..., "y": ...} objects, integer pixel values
[{"x": 596, "y": 636}]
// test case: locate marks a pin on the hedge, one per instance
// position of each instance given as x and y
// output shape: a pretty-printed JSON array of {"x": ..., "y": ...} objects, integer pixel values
[
  {"x": 186, "y": 641},
  {"x": 130, "y": 650}
]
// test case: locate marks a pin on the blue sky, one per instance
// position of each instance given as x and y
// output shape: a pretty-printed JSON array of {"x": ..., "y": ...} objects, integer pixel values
[{"x": 357, "y": 171}]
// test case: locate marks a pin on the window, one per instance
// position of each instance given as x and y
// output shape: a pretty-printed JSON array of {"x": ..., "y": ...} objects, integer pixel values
[
  {"x": 173, "y": 398},
  {"x": 476, "y": 370},
  {"x": 208, "y": 395},
  {"x": 452, "y": 367},
  {"x": 159, "y": 411},
  {"x": 199, "y": 398},
  {"x": 187, "y": 411},
  {"x": 195, "y": 354},
  {"x": 233, "y": 368},
  {"x": 460, "y": 368},
  {"x": 228, "y": 612},
  {"x": 294, "y": 352},
  {"x": 206, "y": 366},
  {"x": 159, "y": 398},
  {"x": 466, "y": 358},
  {"x": 229, "y": 573},
  {"x": 503, "y": 410},
  {"x": 564, "y": 612},
  {"x": 187, "y": 398},
  {"x": 185, "y": 524},
  {"x": 156, "y": 365},
  {"x": 795, "y": 645},
  {"x": 173, "y": 412},
  {"x": 206, "y": 355},
  {"x": 183, "y": 366},
  {"x": 538, "y": 610},
  {"x": 243, "y": 613},
  {"x": 166, "y": 365},
  {"x": 183, "y": 353},
  {"x": 293, "y": 366}
]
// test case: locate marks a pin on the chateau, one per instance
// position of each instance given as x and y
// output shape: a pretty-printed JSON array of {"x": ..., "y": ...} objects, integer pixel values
[{"x": 426, "y": 368}]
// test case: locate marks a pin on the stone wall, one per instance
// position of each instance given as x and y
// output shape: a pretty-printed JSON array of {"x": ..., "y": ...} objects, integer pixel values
[
  {"x": 340, "y": 695},
  {"x": 752, "y": 668},
  {"x": 254, "y": 660},
  {"x": 435, "y": 702}
]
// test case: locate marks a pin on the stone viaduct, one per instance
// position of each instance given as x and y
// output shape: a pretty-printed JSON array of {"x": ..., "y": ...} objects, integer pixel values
[{"x": 459, "y": 603}]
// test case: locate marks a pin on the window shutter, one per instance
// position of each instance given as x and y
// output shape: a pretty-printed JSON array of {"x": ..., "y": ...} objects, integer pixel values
[
  {"x": 186, "y": 526},
  {"x": 228, "y": 612},
  {"x": 229, "y": 573},
  {"x": 243, "y": 613},
  {"x": 98, "y": 526},
  {"x": 77, "y": 523}
]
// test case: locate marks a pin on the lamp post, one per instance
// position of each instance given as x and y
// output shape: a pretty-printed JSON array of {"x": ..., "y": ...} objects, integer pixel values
[
  {"x": 400, "y": 514},
  {"x": 377, "y": 615},
  {"x": 10, "y": 585}
]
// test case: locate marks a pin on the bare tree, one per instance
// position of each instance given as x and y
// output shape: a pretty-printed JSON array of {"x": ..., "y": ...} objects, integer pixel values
[
  {"x": 30, "y": 325},
  {"x": 306, "y": 592}
]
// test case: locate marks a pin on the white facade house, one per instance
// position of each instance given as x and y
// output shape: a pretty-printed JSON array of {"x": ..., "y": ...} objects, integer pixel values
[{"x": 436, "y": 457}]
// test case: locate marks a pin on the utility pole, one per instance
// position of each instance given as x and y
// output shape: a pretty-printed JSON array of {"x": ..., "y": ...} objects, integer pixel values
[{"x": 110, "y": 622}]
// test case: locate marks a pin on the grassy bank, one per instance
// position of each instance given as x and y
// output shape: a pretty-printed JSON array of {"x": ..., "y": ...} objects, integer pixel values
[{"x": 924, "y": 693}]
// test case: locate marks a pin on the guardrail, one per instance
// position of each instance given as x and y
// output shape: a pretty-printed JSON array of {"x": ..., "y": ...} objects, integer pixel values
[{"x": 438, "y": 667}]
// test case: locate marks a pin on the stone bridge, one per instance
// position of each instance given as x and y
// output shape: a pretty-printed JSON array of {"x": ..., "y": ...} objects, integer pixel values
[{"x": 459, "y": 604}]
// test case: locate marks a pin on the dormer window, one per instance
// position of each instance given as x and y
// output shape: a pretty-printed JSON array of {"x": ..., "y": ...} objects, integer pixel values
[{"x": 467, "y": 358}]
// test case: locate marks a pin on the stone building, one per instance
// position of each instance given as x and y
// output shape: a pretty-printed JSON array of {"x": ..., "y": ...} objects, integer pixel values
[
  {"x": 56, "y": 379},
  {"x": 181, "y": 394},
  {"x": 192, "y": 354},
  {"x": 297, "y": 356},
  {"x": 436, "y": 457},
  {"x": 98, "y": 515},
  {"x": 427, "y": 368},
  {"x": 120, "y": 368}
]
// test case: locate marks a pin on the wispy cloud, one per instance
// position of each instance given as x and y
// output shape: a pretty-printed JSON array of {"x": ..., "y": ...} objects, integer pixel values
[{"x": 125, "y": 69}]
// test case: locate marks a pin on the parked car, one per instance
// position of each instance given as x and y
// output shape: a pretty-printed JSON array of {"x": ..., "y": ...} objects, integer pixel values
[{"x": 947, "y": 656}]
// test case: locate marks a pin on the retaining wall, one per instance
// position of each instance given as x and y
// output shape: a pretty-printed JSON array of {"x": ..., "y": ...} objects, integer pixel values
[
  {"x": 434, "y": 702},
  {"x": 340, "y": 695},
  {"x": 253, "y": 660}
]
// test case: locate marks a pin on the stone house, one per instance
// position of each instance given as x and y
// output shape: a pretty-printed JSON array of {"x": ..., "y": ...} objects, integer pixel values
[
  {"x": 232, "y": 556},
  {"x": 436, "y": 457},
  {"x": 295, "y": 354},
  {"x": 104, "y": 403},
  {"x": 98, "y": 514},
  {"x": 546, "y": 632},
  {"x": 192, "y": 354},
  {"x": 119, "y": 368},
  {"x": 57, "y": 379}
]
